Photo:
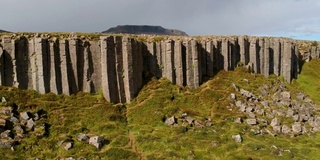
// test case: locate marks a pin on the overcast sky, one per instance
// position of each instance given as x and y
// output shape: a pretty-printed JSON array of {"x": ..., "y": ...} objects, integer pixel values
[{"x": 292, "y": 18}]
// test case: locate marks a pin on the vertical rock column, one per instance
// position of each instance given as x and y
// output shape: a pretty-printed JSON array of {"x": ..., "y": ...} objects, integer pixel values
[
  {"x": 20, "y": 62},
  {"x": 203, "y": 52},
  {"x": 178, "y": 63},
  {"x": 253, "y": 54},
  {"x": 73, "y": 67},
  {"x": 261, "y": 54},
  {"x": 244, "y": 56},
  {"x": 287, "y": 61},
  {"x": 1, "y": 66},
  {"x": 55, "y": 73},
  {"x": 193, "y": 70},
  {"x": 137, "y": 57},
  {"x": 87, "y": 68},
  {"x": 63, "y": 48},
  {"x": 119, "y": 69},
  {"x": 210, "y": 60},
  {"x": 266, "y": 57},
  {"x": 108, "y": 70},
  {"x": 169, "y": 59},
  {"x": 8, "y": 56},
  {"x": 276, "y": 56},
  {"x": 128, "y": 68},
  {"x": 41, "y": 66},
  {"x": 225, "y": 53},
  {"x": 313, "y": 51}
]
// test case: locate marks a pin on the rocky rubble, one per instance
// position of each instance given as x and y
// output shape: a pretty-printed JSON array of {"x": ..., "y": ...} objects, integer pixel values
[
  {"x": 275, "y": 110},
  {"x": 185, "y": 120},
  {"x": 14, "y": 126}
]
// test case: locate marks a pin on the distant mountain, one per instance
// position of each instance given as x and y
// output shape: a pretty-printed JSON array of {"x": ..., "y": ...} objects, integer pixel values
[
  {"x": 1, "y": 31},
  {"x": 144, "y": 29}
]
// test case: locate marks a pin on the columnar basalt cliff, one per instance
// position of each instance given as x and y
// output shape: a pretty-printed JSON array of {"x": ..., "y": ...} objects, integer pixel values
[{"x": 116, "y": 65}]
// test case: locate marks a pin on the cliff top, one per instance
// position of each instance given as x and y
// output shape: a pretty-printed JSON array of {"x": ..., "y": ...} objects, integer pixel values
[{"x": 144, "y": 29}]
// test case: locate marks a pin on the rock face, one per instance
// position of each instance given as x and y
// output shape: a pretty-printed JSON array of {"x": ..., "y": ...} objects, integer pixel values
[
  {"x": 144, "y": 29},
  {"x": 117, "y": 65}
]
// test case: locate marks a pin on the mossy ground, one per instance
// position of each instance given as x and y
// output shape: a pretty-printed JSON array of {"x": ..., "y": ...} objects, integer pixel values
[{"x": 137, "y": 131}]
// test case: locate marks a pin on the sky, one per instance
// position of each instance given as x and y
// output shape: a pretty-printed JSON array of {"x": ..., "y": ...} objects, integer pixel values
[{"x": 297, "y": 19}]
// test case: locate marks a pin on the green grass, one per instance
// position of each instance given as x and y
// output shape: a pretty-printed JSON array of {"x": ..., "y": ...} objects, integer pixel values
[{"x": 308, "y": 80}]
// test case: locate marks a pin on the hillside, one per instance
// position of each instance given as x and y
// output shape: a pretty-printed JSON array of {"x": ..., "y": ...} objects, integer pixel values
[
  {"x": 142, "y": 129},
  {"x": 144, "y": 29}
]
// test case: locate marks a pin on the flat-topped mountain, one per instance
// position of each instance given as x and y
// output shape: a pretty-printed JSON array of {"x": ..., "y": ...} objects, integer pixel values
[
  {"x": 144, "y": 29},
  {"x": 1, "y": 31}
]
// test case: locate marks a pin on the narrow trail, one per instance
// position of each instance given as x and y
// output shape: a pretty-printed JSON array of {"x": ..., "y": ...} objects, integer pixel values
[{"x": 134, "y": 147}]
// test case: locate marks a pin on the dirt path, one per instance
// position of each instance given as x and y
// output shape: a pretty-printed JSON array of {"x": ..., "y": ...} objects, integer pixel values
[{"x": 134, "y": 147}]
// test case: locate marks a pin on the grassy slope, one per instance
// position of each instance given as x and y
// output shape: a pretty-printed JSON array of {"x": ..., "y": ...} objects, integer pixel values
[
  {"x": 309, "y": 79},
  {"x": 138, "y": 130},
  {"x": 68, "y": 116},
  {"x": 158, "y": 141}
]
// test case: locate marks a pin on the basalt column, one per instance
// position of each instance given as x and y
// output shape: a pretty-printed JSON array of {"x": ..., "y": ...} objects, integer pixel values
[
  {"x": 64, "y": 49},
  {"x": 193, "y": 70},
  {"x": 73, "y": 67},
  {"x": 287, "y": 61},
  {"x": 276, "y": 56},
  {"x": 266, "y": 57},
  {"x": 119, "y": 69},
  {"x": 55, "y": 72},
  {"x": 179, "y": 63},
  {"x": 20, "y": 63},
  {"x": 210, "y": 59},
  {"x": 41, "y": 61},
  {"x": 108, "y": 70},
  {"x": 253, "y": 54},
  {"x": 169, "y": 72},
  {"x": 7, "y": 74},
  {"x": 244, "y": 50},
  {"x": 225, "y": 53}
]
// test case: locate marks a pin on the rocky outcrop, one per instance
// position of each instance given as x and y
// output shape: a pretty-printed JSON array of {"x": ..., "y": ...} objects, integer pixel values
[
  {"x": 144, "y": 29},
  {"x": 116, "y": 65}
]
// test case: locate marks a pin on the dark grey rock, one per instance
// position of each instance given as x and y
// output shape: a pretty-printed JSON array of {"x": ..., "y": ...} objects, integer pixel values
[
  {"x": 285, "y": 129},
  {"x": 285, "y": 95},
  {"x": 96, "y": 141},
  {"x": 6, "y": 134},
  {"x": 295, "y": 118},
  {"x": 238, "y": 120},
  {"x": 25, "y": 115},
  {"x": 237, "y": 138},
  {"x": 251, "y": 121},
  {"x": 275, "y": 122},
  {"x": 31, "y": 124},
  {"x": 189, "y": 120},
  {"x": 171, "y": 121},
  {"x": 296, "y": 127},
  {"x": 83, "y": 138},
  {"x": 277, "y": 129},
  {"x": 14, "y": 120}
]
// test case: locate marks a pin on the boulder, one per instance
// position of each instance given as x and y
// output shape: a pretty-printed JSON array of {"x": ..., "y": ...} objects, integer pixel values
[
  {"x": 277, "y": 129},
  {"x": 14, "y": 120},
  {"x": 171, "y": 121},
  {"x": 3, "y": 100},
  {"x": 275, "y": 122},
  {"x": 6, "y": 134},
  {"x": 246, "y": 93},
  {"x": 285, "y": 95},
  {"x": 198, "y": 124},
  {"x": 233, "y": 96},
  {"x": 251, "y": 121},
  {"x": 189, "y": 120},
  {"x": 295, "y": 117},
  {"x": 238, "y": 120},
  {"x": 237, "y": 138},
  {"x": 285, "y": 129},
  {"x": 238, "y": 103},
  {"x": 83, "y": 138},
  {"x": 6, "y": 143},
  {"x": 96, "y": 141},
  {"x": 6, "y": 110},
  {"x": 31, "y": 124},
  {"x": 25, "y": 115},
  {"x": 290, "y": 112},
  {"x": 296, "y": 127},
  {"x": 18, "y": 129}
]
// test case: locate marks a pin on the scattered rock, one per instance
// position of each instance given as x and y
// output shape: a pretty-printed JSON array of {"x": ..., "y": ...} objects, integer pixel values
[
  {"x": 285, "y": 129},
  {"x": 238, "y": 120},
  {"x": 4, "y": 101},
  {"x": 296, "y": 127},
  {"x": 275, "y": 122},
  {"x": 286, "y": 95},
  {"x": 171, "y": 121},
  {"x": 96, "y": 141},
  {"x": 83, "y": 138},
  {"x": 233, "y": 96},
  {"x": 251, "y": 121},
  {"x": 236, "y": 88},
  {"x": 237, "y": 138},
  {"x": 25, "y": 115},
  {"x": 31, "y": 124},
  {"x": 189, "y": 120}
]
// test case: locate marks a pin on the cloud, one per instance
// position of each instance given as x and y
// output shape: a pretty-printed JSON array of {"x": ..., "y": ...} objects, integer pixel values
[{"x": 203, "y": 17}]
